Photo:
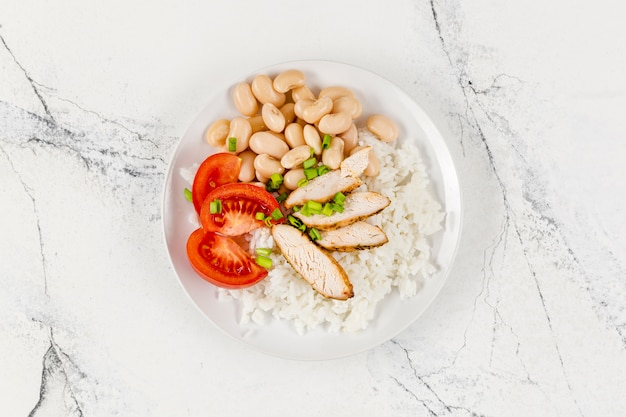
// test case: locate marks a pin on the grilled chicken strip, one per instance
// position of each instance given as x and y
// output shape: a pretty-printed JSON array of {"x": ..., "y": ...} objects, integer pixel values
[
  {"x": 324, "y": 187},
  {"x": 357, "y": 206},
  {"x": 359, "y": 235},
  {"x": 313, "y": 263}
]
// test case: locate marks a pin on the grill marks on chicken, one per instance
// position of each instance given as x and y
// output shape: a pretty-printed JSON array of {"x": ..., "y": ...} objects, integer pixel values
[{"x": 359, "y": 235}]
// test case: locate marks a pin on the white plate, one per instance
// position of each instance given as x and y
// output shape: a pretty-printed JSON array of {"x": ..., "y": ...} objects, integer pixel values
[{"x": 279, "y": 338}]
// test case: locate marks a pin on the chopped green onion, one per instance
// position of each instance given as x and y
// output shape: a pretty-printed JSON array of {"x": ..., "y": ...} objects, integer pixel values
[
  {"x": 281, "y": 197},
  {"x": 215, "y": 206},
  {"x": 296, "y": 209},
  {"x": 326, "y": 141},
  {"x": 268, "y": 221},
  {"x": 277, "y": 214},
  {"x": 339, "y": 198},
  {"x": 188, "y": 194},
  {"x": 232, "y": 144},
  {"x": 302, "y": 228},
  {"x": 327, "y": 210},
  {"x": 310, "y": 173},
  {"x": 263, "y": 251},
  {"x": 276, "y": 180},
  {"x": 314, "y": 207},
  {"x": 337, "y": 208},
  {"x": 309, "y": 163},
  {"x": 264, "y": 261},
  {"x": 322, "y": 170},
  {"x": 294, "y": 221},
  {"x": 259, "y": 215},
  {"x": 303, "y": 182},
  {"x": 315, "y": 234}
]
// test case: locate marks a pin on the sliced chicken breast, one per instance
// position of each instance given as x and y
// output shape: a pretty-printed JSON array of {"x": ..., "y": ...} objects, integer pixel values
[
  {"x": 357, "y": 206},
  {"x": 359, "y": 235},
  {"x": 313, "y": 263},
  {"x": 324, "y": 187}
]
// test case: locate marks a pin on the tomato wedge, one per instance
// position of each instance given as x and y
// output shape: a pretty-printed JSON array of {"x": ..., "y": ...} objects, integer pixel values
[
  {"x": 240, "y": 204},
  {"x": 221, "y": 261},
  {"x": 218, "y": 169}
]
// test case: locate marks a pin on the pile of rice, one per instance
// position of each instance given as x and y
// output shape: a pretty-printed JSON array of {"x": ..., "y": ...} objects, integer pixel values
[{"x": 401, "y": 264}]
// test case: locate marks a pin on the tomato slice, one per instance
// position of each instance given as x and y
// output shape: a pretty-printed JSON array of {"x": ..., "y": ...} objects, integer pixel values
[
  {"x": 240, "y": 204},
  {"x": 221, "y": 261},
  {"x": 218, "y": 169}
]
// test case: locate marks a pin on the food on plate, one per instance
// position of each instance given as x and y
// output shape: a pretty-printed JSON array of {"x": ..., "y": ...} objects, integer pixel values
[
  {"x": 357, "y": 206},
  {"x": 321, "y": 218},
  {"x": 314, "y": 264},
  {"x": 359, "y": 235},
  {"x": 215, "y": 170},
  {"x": 221, "y": 261}
]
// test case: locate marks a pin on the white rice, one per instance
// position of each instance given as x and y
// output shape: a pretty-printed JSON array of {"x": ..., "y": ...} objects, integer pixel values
[{"x": 400, "y": 265}]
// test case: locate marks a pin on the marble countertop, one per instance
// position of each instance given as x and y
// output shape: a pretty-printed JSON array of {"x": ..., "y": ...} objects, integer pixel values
[{"x": 530, "y": 98}]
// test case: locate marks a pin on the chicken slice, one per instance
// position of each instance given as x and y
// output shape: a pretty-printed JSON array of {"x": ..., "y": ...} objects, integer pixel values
[
  {"x": 357, "y": 206},
  {"x": 359, "y": 235},
  {"x": 313, "y": 263},
  {"x": 324, "y": 187}
]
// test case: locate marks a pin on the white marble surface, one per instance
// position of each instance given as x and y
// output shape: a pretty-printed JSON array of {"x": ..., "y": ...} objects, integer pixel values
[{"x": 530, "y": 97}]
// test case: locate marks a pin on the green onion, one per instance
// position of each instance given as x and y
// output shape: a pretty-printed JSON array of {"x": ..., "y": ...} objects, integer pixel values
[
  {"x": 314, "y": 207},
  {"x": 277, "y": 214},
  {"x": 264, "y": 261},
  {"x": 232, "y": 144},
  {"x": 294, "y": 221},
  {"x": 302, "y": 228},
  {"x": 268, "y": 221},
  {"x": 309, "y": 163},
  {"x": 327, "y": 210},
  {"x": 303, "y": 182},
  {"x": 188, "y": 194},
  {"x": 276, "y": 179},
  {"x": 310, "y": 173},
  {"x": 339, "y": 198},
  {"x": 259, "y": 215},
  {"x": 263, "y": 251},
  {"x": 326, "y": 141},
  {"x": 305, "y": 211},
  {"x": 281, "y": 197},
  {"x": 296, "y": 209},
  {"x": 215, "y": 206},
  {"x": 322, "y": 170},
  {"x": 337, "y": 208},
  {"x": 315, "y": 234}
]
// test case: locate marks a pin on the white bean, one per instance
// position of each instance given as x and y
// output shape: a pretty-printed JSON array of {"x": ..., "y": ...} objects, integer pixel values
[
  {"x": 296, "y": 156},
  {"x": 217, "y": 133},
  {"x": 288, "y": 80},
  {"x": 317, "y": 110},
  {"x": 273, "y": 118},
  {"x": 350, "y": 138},
  {"x": 293, "y": 135},
  {"x": 247, "y": 171},
  {"x": 266, "y": 166},
  {"x": 333, "y": 155},
  {"x": 268, "y": 143},
  {"x": 312, "y": 138},
  {"x": 288, "y": 112},
  {"x": 382, "y": 127},
  {"x": 334, "y": 92},
  {"x": 335, "y": 123},
  {"x": 348, "y": 104},
  {"x": 263, "y": 90},
  {"x": 293, "y": 177},
  {"x": 244, "y": 100},
  {"x": 241, "y": 130}
]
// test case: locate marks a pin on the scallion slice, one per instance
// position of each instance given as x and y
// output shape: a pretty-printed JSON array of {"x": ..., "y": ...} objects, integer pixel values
[
  {"x": 314, "y": 207},
  {"x": 315, "y": 234},
  {"x": 327, "y": 210},
  {"x": 322, "y": 170},
  {"x": 303, "y": 182},
  {"x": 259, "y": 215},
  {"x": 309, "y": 163},
  {"x": 277, "y": 214},
  {"x": 326, "y": 141},
  {"x": 263, "y": 251},
  {"x": 339, "y": 198},
  {"x": 232, "y": 144},
  {"x": 215, "y": 206},
  {"x": 188, "y": 194},
  {"x": 310, "y": 173},
  {"x": 264, "y": 261},
  {"x": 282, "y": 197}
]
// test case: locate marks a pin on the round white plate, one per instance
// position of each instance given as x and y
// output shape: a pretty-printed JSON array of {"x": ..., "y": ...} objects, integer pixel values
[{"x": 279, "y": 338}]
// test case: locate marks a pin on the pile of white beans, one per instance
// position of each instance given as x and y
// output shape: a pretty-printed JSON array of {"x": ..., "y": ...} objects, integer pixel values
[{"x": 290, "y": 126}]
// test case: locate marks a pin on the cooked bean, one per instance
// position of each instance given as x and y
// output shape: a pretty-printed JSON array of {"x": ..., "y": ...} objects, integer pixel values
[
  {"x": 288, "y": 80},
  {"x": 268, "y": 143},
  {"x": 334, "y": 92},
  {"x": 312, "y": 138},
  {"x": 296, "y": 156},
  {"x": 273, "y": 118},
  {"x": 240, "y": 128},
  {"x": 261, "y": 179},
  {"x": 373, "y": 166},
  {"x": 350, "y": 138},
  {"x": 266, "y": 166},
  {"x": 313, "y": 112},
  {"x": 382, "y": 127},
  {"x": 288, "y": 112},
  {"x": 300, "y": 105},
  {"x": 302, "y": 93},
  {"x": 263, "y": 90},
  {"x": 335, "y": 123},
  {"x": 348, "y": 104},
  {"x": 293, "y": 177},
  {"x": 247, "y": 171},
  {"x": 293, "y": 135},
  {"x": 333, "y": 155},
  {"x": 217, "y": 133},
  {"x": 244, "y": 100},
  {"x": 257, "y": 124}
]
